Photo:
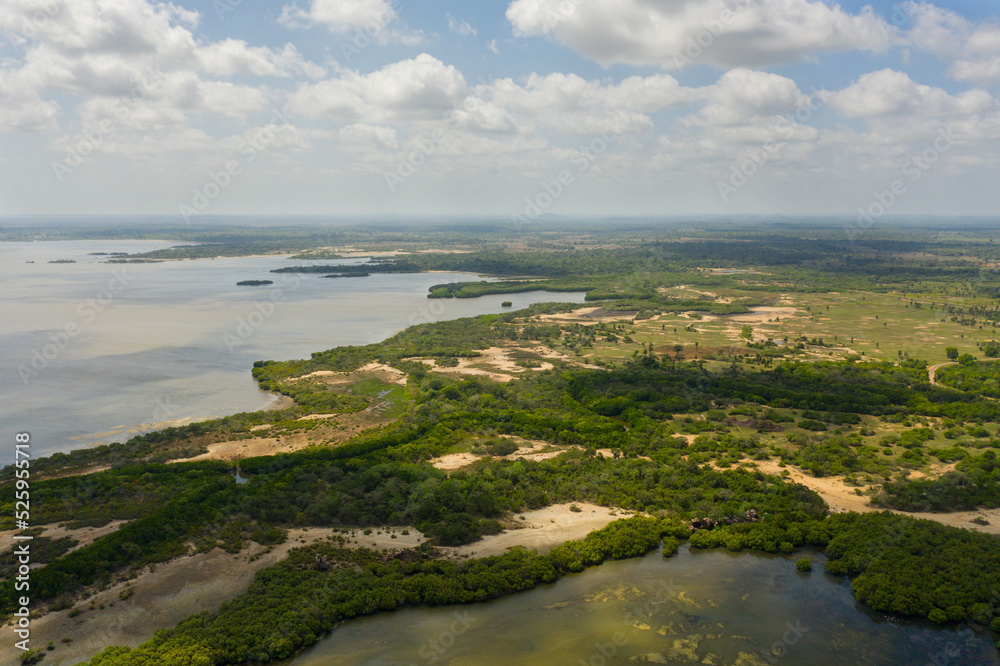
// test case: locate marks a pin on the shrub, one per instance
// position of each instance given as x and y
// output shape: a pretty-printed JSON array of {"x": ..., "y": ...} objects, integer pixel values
[
  {"x": 937, "y": 615},
  {"x": 503, "y": 447},
  {"x": 670, "y": 546}
]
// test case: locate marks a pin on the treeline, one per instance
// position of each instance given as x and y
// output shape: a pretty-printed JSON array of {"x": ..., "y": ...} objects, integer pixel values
[
  {"x": 262, "y": 625},
  {"x": 366, "y": 482},
  {"x": 484, "y": 288},
  {"x": 976, "y": 377},
  {"x": 371, "y": 266},
  {"x": 898, "y": 565}
]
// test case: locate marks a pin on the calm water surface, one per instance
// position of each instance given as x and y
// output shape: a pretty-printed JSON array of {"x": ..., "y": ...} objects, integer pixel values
[
  {"x": 161, "y": 344},
  {"x": 701, "y": 607}
]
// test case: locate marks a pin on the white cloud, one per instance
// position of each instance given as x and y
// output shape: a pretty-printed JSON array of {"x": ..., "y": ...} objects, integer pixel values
[
  {"x": 235, "y": 57},
  {"x": 104, "y": 51},
  {"x": 91, "y": 60},
  {"x": 229, "y": 99},
  {"x": 340, "y": 16},
  {"x": 972, "y": 50},
  {"x": 725, "y": 33},
  {"x": 459, "y": 26},
  {"x": 578, "y": 106},
  {"x": 891, "y": 93},
  {"x": 22, "y": 108},
  {"x": 423, "y": 87},
  {"x": 361, "y": 137},
  {"x": 132, "y": 27},
  {"x": 480, "y": 115},
  {"x": 743, "y": 96}
]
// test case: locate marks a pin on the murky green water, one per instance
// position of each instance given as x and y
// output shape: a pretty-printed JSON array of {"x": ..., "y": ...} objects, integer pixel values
[{"x": 698, "y": 607}]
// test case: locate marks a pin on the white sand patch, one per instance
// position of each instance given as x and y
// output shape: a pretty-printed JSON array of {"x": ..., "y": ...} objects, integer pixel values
[
  {"x": 544, "y": 529},
  {"x": 841, "y": 497},
  {"x": 455, "y": 460},
  {"x": 528, "y": 450},
  {"x": 385, "y": 372},
  {"x": 763, "y": 314}
]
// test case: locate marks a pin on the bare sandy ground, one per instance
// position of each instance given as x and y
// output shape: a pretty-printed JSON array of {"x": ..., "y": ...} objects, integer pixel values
[
  {"x": 340, "y": 428},
  {"x": 83, "y": 535},
  {"x": 385, "y": 372},
  {"x": 496, "y": 357},
  {"x": 503, "y": 367},
  {"x": 762, "y": 314},
  {"x": 165, "y": 594},
  {"x": 529, "y": 450},
  {"x": 842, "y": 497},
  {"x": 455, "y": 461},
  {"x": 384, "y": 538},
  {"x": 161, "y": 598},
  {"x": 243, "y": 448},
  {"x": 591, "y": 315},
  {"x": 543, "y": 530},
  {"x": 464, "y": 368}
]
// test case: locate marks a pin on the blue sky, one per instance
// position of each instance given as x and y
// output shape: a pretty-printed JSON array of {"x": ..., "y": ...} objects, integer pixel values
[{"x": 512, "y": 108}]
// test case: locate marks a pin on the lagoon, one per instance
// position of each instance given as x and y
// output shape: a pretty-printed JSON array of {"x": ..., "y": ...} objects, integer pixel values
[
  {"x": 698, "y": 607},
  {"x": 92, "y": 352}
]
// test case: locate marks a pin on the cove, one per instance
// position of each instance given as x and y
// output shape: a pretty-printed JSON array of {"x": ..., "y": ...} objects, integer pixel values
[{"x": 699, "y": 607}]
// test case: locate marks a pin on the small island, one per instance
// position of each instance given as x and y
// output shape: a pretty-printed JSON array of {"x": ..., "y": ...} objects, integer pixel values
[
  {"x": 254, "y": 283},
  {"x": 63, "y": 261},
  {"x": 347, "y": 275},
  {"x": 506, "y": 304}
]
